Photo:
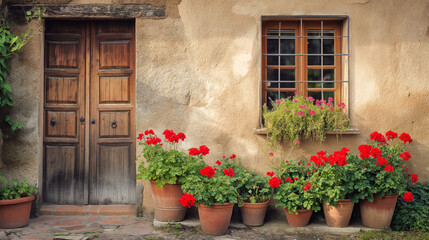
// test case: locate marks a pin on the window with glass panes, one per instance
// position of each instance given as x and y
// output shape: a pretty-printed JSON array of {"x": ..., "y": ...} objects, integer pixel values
[{"x": 304, "y": 56}]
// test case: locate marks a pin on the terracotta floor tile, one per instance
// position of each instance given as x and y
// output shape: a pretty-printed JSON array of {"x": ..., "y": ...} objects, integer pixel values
[{"x": 71, "y": 210}]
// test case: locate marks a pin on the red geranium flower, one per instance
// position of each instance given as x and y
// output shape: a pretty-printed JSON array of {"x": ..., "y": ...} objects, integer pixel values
[
  {"x": 153, "y": 141},
  {"x": 406, "y": 169},
  {"x": 382, "y": 161},
  {"x": 140, "y": 136},
  {"x": 275, "y": 182},
  {"x": 288, "y": 179},
  {"x": 204, "y": 150},
  {"x": 193, "y": 151},
  {"x": 218, "y": 162},
  {"x": 321, "y": 153},
  {"x": 378, "y": 137},
  {"x": 207, "y": 171},
  {"x": 406, "y": 138},
  {"x": 375, "y": 152},
  {"x": 391, "y": 135},
  {"x": 389, "y": 168},
  {"x": 365, "y": 151},
  {"x": 414, "y": 178},
  {"x": 181, "y": 135},
  {"x": 232, "y": 156},
  {"x": 149, "y": 131},
  {"x": 408, "y": 196},
  {"x": 187, "y": 200},
  {"x": 307, "y": 186},
  {"x": 167, "y": 133},
  {"x": 405, "y": 156},
  {"x": 228, "y": 172},
  {"x": 270, "y": 174}
]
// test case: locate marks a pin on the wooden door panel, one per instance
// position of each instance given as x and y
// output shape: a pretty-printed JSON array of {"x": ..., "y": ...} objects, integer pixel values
[
  {"x": 63, "y": 182},
  {"x": 61, "y": 124},
  {"x": 112, "y": 156},
  {"x": 114, "y": 124},
  {"x": 61, "y": 89},
  {"x": 64, "y": 104}
]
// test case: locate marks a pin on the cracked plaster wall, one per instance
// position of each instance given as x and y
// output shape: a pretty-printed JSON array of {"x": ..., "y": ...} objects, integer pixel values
[{"x": 198, "y": 72}]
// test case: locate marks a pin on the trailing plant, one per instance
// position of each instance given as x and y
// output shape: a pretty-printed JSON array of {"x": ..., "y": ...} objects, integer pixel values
[
  {"x": 251, "y": 187},
  {"x": 15, "y": 189},
  {"x": 165, "y": 163},
  {"x": 293, "y": 187},
  {"x": 211, "y": 185},
  {"x": 336, "y": 176},
  {"x": 9, "y": 45},
  {"x": 413, "y": 215},
  {"x": 299, "y": 118}
]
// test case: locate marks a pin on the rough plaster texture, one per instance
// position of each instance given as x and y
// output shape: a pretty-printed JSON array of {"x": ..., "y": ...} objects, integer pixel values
[{"x": 198, "y": 72}]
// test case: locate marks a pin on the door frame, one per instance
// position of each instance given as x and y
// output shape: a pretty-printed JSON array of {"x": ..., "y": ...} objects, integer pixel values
[{"x": 86, "y": 137}]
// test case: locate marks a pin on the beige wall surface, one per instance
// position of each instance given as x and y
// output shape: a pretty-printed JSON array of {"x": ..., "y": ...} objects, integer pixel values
[{"x": 198, "y": 72}]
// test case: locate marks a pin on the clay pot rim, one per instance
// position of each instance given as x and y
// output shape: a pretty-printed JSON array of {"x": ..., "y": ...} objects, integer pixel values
[
  {"x": 154, "y": 181},
  {"x": 300, "y": 210},
  {"x": 226, "y": 204},
  {"x": 260, "y": 203},
  {"x": 341, "y": 202},
  {"x": 17, "y": 200},
  {"x": 388, "y": 196}
]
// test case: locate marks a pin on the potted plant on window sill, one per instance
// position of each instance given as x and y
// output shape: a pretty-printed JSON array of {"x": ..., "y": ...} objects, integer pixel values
[
  {"x": 166, "y": 168},
  {"x": 335, "y": 180},
  {"x": 300, "y": 118},
  {"x": 215, "y": 194},
  {"x": 15, "y": 202},
  {"x": 293, "y": 189}
]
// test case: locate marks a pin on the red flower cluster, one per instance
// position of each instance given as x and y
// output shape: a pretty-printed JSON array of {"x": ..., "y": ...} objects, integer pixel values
[
  {"x": 140, "y": 137},
  {"x": 378, "y": 137},
  {"x": 414, "y": 178},
  {"x": 172, "y": 137},
  {"x": 187, "y": 200},
  {"x": 288, "y": 179},
  {"x": 307, "y": 186},
  {"x": 275, "y": 182},
  {"x": 208, "y": 171},
  {"x": 375, "y": 152},
  {"x": 270, "y": 174},
  {"x": 228, "y": 172},
  {"x": 339, "y": 158},
  {"x": 391, "y": 135},
  {"x": 389, "y": 168},
  {"x": 405, "y": 156},
  {"x": 218, "y": 162},
  {"x": 204, "y": 150},
  {"x": 408, "y": 197},
  {"x": 153, "y": 140},
  {"x": 149, "y": 132},
  {"x": 232, "y": 156},
  {"x": 365, "y": 151},
  {"x": 406, "y": 138},
  {"x": 381, "y": 161}
]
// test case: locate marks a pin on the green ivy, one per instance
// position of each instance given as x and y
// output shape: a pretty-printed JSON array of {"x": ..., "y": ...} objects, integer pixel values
[
  {"x": 14, "y": 189},
  {"x": 9, "y": 45},
  {"x": 284, "y": 124},
  {"x": 413, "y": 215}
]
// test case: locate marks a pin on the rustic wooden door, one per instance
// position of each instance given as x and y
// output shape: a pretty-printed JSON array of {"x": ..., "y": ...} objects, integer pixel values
[{"x": 89, "y": 112}]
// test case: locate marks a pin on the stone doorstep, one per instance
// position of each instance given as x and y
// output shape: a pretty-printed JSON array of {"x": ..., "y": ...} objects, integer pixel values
[
  {"x": 281, "y": 226},
  {"x": 85, "y": 210}
]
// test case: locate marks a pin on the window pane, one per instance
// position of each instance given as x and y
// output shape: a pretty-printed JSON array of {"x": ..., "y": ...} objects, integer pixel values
[
  {"x": 328, "y": 75},
  {"x": 314, "y": 46},
  {"x": 314, "y": 75},
  {"x": 272, "y": 46},
  {"x": 287, "y": 74},
  {"x": 272, "y": 74},
  {"x": 328, "y": 47},
  {"x": 287, "y": 46},
  {"x": 272, "y": 60}
]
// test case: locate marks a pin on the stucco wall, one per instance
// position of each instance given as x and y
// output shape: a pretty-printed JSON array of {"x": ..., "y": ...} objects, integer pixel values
[{"x": 198, "y": 71}]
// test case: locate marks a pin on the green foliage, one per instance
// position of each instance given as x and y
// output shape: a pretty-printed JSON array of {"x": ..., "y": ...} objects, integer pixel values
[
  {"x": 165, "y": 164},
  {"x": 14, "y": 189},
  {"x": 291, "y": 195},
  {"x": 285, "y": 124},
  {"x": 413, "y": 215},
  {"x": 217, "y": 189},
  {"x": 251, "y": 187},
  {"x": 10, "y": 44}
]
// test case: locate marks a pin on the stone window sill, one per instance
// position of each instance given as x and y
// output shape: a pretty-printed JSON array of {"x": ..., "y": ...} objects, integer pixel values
[{"x": 350, "y": 131}]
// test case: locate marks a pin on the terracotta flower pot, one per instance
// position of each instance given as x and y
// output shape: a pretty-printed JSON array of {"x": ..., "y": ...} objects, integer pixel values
[
  {"x": 166, "y": 201},
  {"x": 215, "y": 219},
  {"x": 15, "y": 213},
  {"x": 379, "y": 213},
  {"x": 338, "y": 215},
  {"x": 253, "y": 214},
  {"x": 299, "y": 220}
]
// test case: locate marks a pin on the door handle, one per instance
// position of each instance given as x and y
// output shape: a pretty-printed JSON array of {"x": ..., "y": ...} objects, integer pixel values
[
  {"x": 93, "y": 121},
  {"x": 82, "y": 119},
  {"x": 114, "y": 124},
  {"x": 53, "y": 122}
]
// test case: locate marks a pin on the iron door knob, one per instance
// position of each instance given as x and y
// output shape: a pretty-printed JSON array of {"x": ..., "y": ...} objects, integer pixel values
[
  {"x": 93, "y": 121},
  {"x": 82, "y": 119},
  {"x": 53, "y": 122}
]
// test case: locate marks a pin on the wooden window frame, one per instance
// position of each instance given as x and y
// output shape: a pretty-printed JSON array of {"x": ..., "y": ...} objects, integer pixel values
[{"x": 301, "y": 25}]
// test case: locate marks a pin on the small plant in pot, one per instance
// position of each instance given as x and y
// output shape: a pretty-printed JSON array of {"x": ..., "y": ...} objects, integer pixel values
[
  {"x": 166, "y": 168},
  {"x": 254, "y": 191},
  {"x": 293, "y": 189},
  {"x": 383, "y": 175},
  {"x": 15, "y": 202},
  {"x": 335, "y": 180},
  {"x": 215, "y": 193}
]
